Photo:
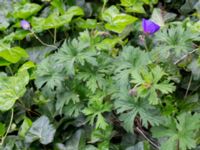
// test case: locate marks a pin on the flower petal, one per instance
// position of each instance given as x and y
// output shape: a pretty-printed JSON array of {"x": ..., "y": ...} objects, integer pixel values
[
  {"x": 149, "y": 26},
  {"x": 25, "y": 24}
]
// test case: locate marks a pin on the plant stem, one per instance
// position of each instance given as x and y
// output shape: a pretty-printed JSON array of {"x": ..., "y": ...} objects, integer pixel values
[
  {"x": 177, "y": 145},
  {"x": 188, "y": 87},
  {"x": 8, "y": 129},
  {"x": 54, "y": 39},
  {"x": 184, "y": 56},
  {"x": 103, "y": 7},
  {"x": 43, "y": 43},
  {"x": 10, "y": 69},
  {"x": 151, "y": 142}
]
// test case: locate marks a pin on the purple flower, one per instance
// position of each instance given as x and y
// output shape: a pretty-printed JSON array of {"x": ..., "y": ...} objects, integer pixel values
[
  {"x": 25, "y": 25},
  {"x": 149, "y": 26}
]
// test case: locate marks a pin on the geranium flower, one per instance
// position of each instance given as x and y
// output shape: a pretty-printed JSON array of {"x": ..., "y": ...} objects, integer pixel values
[
  {"x": 149, "y": 26},
  {"x": 25, "y": 25}
]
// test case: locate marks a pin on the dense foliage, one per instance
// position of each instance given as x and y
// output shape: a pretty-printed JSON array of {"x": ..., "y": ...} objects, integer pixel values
[{"x": 99, "y": 75}]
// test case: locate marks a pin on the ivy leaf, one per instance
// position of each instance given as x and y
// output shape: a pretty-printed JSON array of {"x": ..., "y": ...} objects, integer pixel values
[
  {"x": 55, "y": 20},
  {"x": 182, "y": 129},
  {"x": 77, "y": 141},
  {"x": 133, "y": 6},
  {"x": 2, "y": 129},
  {"x": 13, "y": 54},
  {"x": 26, "y": 10},
  {"x": 86, "y": 24},
  {"x": 24, "y": 127},
  {"x": 12, "y": 88},
  {"x": 108, "y": 44},
  {"x": 41, "y": 130},
  {"x": 116, "y": 21}
]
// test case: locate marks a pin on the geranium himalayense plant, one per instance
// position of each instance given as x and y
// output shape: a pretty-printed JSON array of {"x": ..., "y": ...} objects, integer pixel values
[{"x": 98, "y": 75}]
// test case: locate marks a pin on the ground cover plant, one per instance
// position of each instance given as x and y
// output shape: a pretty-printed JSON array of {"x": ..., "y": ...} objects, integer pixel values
[{"x": 99, "y": 74}]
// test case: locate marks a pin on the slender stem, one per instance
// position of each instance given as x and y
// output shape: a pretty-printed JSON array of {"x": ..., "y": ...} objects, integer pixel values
[
  {"x": 27, "y": 109},
  {"x": 8, "y": 129},
  {"x": 54, "y": 39},
  {"x": 51, "y": 34},
  {"x": 188, "y": 87},
  {"x": 184, "y": 56},
  {"x": 103, "y": 7},
  {"x": 151, "y": 142},
  {"x": 10, "y": 69},
  {"x": 43, "y": 43},
  {"x": 177, "y": 145},
  {"x": 145, "y": 44}
]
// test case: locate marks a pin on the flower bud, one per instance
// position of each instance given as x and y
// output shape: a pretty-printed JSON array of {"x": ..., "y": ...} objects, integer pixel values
[{"x": 133, "y": 91}]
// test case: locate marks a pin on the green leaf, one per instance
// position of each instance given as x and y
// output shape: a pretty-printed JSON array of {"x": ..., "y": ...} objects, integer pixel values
[
  {"x": 25, "y": 127},
  {"x": 50, "y": 74},
  {"x": 12, "y": 88},
  {"x": 183, "y": 129},
  {"x": 108, "y": 44},
  {"x": 116, "y": 21},
  {"x": 188, "y": 6},
  {"x": 119, "y": 23},
  {"x": 73, "y": 110},
  {"x": 54, "y": 20},
  {"x": 2, "y": 129},
  {"x": 86, "y": 24},
  {"x": 140, "y": 146},
  {"x": 194, "y": 66},
  {"x": 26, "y": 66},
  {"x": 77, "y": 52},
  {"x": 94, "y": 79},
  {"x": 95, "y": 110},
  {"x": 128, "y": 108},
  {"x": 131, "y": 59},
  {"x": 5, "y": 9},
  {"x": 58, "y": 4},
  {"x": 41, "y": 130},
  {"x": 3, "y": 62},
  {"x": 102, "y": 136},
  {"x": 18, "y": 35},
  {"x": 148, "y": 82},
  {"x": 176, "y": 40},
  {"x": 65, "y": 99},
  {"x": 13, "y": 54},
  {"x": 77, "y": 141},
  {"x": 133, "y": 6},
  {"x": 160, "y": 17},
  {"x": 26, "y": 10}
]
